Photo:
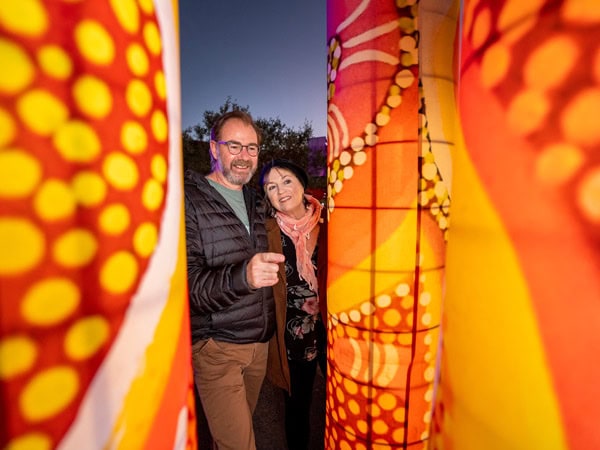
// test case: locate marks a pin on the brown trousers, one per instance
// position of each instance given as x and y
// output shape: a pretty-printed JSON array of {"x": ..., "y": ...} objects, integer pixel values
[{"x": 229, "y": 378}]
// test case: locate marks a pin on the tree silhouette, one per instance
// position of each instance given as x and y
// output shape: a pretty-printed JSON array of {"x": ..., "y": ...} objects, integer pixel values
[{"x": 278, "y": 141}]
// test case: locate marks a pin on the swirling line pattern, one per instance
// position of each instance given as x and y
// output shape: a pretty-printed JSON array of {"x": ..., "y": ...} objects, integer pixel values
[{"x": 389, "y": 218}]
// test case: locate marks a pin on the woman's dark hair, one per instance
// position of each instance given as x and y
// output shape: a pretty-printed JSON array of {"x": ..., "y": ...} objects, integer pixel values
[{"x": 298, "y": 171}]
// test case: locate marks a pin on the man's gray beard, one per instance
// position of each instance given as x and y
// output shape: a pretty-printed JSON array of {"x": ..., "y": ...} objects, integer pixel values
[{"x": 237, "y": 180}]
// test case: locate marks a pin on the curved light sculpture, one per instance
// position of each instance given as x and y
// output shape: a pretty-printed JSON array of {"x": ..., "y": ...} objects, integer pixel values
[
  {"x": 493, "y": 104},
  {"x": 523, "y": 260},
  {"x": 94, "y": 334},
  {"x": 390, "y": 135}
]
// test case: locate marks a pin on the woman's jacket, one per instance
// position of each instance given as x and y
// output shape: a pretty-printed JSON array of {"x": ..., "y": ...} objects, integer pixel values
[{"x": 277, "y": 367}]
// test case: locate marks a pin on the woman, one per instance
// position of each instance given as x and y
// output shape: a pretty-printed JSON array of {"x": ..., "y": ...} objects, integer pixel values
[{"x": 298, "y": 231}]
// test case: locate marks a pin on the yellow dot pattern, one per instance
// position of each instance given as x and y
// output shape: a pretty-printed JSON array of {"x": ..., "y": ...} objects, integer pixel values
[
  {"x": 119, "y": 272},
  {"x": 50, "y": 301},
  {"x": 41, "y": 111},
  {"x": 588, "y": 195},
  {"x": 30, "y": 441},
  {"x": 84, "y": 158},
  {"x": 20, "y": 173},
  {"x": 48, "y": 392},
  {"x": 76, "y": 141},
  {"x": 152, "y": 38},
  {"x": 540, "y": 70},
  {"x": 575, "y": 128},
  {"x": 160, "y": 85},
  {"x": 17, "y": 354},
  {"x": 120, "y": 171},
  {"x": 495, "y": 64},
  {"x": 145, "y": 238},
  {"x": 159, "y": 126},
  {"x": 18, "y": 71},
  {"x": 147, "y": 6},
  {"x": 137, "y": 60},
  {"x": 153, "y": 195},
  {"x": 370, "y": 360},
  {"x": 7, "y": 128},
  {"x": 159, "y": 168},
  {"x": 115, "y": 219},
  {"x": 93, "y": 96},
  {"x": 139, "y": 98},
  {"x": 86, "y": 336},
  {"x": 54, "y": 200},
  {"x": 433, "y": 191},
  {"x": 22, "y": 244},
  {"x": 89, "y": 188},
  {"x": 11, "y": 14},
  {"x": 558, "y": 163},
  {"x": 548, "y": 88},
  {"x": 127, "y": 14},
  {"x": 528, "y": 111},
  {"x": 133, "y": 137},
  {"x": 55, "y": 62},
  {"x": 95, "y": 42},
  {"x": 481, "y": 27},
  {"x": 75, "y": 248}
]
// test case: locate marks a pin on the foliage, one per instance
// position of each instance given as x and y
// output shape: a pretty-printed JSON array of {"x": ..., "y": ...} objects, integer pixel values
[{"x": 278, "y": 141}]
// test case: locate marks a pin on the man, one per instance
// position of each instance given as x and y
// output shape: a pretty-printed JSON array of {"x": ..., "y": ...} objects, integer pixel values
[{"x": 230, "y": 275}]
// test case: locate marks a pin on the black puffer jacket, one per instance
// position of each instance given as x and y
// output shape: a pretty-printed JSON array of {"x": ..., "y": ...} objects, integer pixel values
[{"x": 222, "y": 304}]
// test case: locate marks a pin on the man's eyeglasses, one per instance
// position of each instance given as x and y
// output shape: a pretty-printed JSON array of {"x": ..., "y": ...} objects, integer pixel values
[{"x": 235, "y": 148}]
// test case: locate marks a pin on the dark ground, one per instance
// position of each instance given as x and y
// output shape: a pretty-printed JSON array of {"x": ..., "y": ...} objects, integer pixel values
[{"x": 269, "y": 416}]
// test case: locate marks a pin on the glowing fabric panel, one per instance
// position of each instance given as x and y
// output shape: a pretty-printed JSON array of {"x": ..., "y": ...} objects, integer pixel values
[
  {"x": 388, "y": 205},
  {"x": 94, "y": 337},
  {"x": 522, "y": 308}
]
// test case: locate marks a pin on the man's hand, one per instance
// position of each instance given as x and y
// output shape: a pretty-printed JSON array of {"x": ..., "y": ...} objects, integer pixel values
[{"x": 262, "y": 269}]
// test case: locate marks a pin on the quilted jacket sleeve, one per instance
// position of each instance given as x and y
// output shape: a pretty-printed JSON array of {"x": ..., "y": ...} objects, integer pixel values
[{"x": 213, "y": 288}]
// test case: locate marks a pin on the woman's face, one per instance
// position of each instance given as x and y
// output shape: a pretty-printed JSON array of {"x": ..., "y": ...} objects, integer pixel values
[{"x": 285, "y": 192}]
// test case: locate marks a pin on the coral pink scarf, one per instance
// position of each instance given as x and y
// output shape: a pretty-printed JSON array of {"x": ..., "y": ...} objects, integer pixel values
[{"x": 298, "y": 231}]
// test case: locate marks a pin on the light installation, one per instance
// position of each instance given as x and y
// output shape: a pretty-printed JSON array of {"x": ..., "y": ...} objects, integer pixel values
[
  {"x": 521, "y": 305},
  {"x": 94, "y": 333},
  {"x": 471, "y": 327},
  {"x": 464, "y": 328},
  {"x": 389, "y": 73}
]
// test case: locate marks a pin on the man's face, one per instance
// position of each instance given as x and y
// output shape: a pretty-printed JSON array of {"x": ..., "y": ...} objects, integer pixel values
[{"x": 235, "y": 170}]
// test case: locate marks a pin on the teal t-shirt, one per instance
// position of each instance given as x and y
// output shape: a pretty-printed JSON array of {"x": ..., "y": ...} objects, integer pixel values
[{"x": 235, "y": 198}]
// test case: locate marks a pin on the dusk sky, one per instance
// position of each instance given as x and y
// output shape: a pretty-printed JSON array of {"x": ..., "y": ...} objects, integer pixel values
[{"x": 270, "y": 55}]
